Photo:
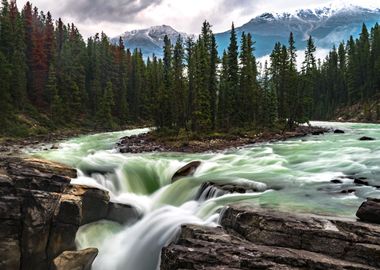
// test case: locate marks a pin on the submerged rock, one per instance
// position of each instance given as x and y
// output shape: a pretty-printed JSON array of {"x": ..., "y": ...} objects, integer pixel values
[
  {"x": 187, "y": 170},
  {"x": 75, "y": 260},
  {"x": 336, "y": 181},
  {"x": 365, "y": 138},
  {"x": 361, "y": 181},
  {"x": 369, "y": 211},
  {"x": 264, "y": 239},
  {"x": 339, "y": 131}
]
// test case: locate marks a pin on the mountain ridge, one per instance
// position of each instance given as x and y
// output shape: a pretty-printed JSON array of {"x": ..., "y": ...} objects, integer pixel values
[{"x": 328, "y": 25}]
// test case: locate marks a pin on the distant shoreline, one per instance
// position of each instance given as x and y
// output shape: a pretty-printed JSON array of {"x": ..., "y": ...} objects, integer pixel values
[{"x": 148, "y": 142}]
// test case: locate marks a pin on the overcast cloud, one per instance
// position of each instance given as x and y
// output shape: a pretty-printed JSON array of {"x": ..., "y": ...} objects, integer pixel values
[{"x": 117, "y": 16}]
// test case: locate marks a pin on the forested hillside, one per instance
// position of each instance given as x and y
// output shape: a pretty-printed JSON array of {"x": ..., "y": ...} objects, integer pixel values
[
  {"x": 350, "y": 75},
  {"x": 50, "y": 78}
]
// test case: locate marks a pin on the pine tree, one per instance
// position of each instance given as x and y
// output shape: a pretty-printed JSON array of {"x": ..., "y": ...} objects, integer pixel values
[
  {"x": 165, "y": 119},
  {"x": 308, "y": 80},
  {"x": 248, "y": 94},
  {"x": 232, "y": 99},
  {"x": 293, "y": 91},
  {"x": 105, "y": 116},
  {"x": 213, "y": 80},
  {"x": 223, "y": 103},
  {"x": 121, "y": 84},
  {"x": 269, "y": 112},
  {"x": 179, "y": 86}
]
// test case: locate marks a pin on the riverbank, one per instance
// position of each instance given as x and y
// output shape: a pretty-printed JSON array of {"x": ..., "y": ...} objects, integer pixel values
[
  {"x": 14, "y": 146},
  {"x": 151, "y": 142}
]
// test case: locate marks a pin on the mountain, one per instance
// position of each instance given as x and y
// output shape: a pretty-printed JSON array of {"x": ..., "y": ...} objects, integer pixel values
[
  {"x": 328, "y": 26},
  {"x": 150, "y": 40}
]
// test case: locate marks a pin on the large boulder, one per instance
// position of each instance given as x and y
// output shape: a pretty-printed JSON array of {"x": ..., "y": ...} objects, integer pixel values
[
  {"x": 369, "y": 211},
  {"x": 75, "y": 260},
  {"x": 187, "y": 170}
]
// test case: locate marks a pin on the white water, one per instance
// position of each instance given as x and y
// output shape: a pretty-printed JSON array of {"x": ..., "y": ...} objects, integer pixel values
[{"x": 297, "y": 172}]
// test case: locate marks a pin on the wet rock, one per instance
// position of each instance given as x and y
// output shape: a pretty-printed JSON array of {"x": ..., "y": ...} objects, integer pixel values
[
  {"x": 369, "y": 211},
  {"x": 54, "y": 146},
  {"x": 75, "y": 260},
  {"x": 318, "y": 132},
  {"x": 339, "y": 131},
  {"x": 210, "y": 190},
  {"x": 361, "y": 181},
  {"x": 187, "y": 170},
  {"x": 365, "y": 138},
  {"x": 94, "y": 202},
  {"x": 34, "y": 174},
  {"x": 348, "y": 191},
  {"x": 200, "y": 247},
  {"x": 336, "y": 181},
  {"x": 40, "y": 211},
  {"x": 341, "y": 239},
  {"x": 122, "y": 213}
]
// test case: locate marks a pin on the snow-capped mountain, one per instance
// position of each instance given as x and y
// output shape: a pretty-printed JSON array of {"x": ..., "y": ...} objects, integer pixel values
[
  {"x": 150, "y": 40},
  {"x": 328, "y": 26}
]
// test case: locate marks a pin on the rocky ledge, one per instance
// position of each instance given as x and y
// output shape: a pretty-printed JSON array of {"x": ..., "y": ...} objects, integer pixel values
[
  {"x": 40, "y": 213},
  {"x": 149, "y": 142},
  {"x": 252, "y": 238}
]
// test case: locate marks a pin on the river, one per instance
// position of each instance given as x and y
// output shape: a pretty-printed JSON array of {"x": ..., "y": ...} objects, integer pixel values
[{"x": 292, "y": 176}]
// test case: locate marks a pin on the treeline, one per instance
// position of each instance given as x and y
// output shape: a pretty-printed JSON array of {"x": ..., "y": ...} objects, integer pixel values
[
  {"x": 349, "y": 75},
  {"x": 50, "y": 76},
  {"x": 230, "y": 93},
  {"x": 49, "y": 73}
]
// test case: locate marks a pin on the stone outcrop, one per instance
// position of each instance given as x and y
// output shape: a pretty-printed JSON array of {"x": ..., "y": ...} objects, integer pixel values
[
  {"x": 369, "y": 211},
  {"x": 40, "y": 212},
  {"x": 75, "y": 260},
  {"x": 252, "y": 238}
]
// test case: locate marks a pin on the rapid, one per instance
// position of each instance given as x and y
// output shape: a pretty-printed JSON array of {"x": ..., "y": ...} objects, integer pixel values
[{"x": 294, "y": 175}]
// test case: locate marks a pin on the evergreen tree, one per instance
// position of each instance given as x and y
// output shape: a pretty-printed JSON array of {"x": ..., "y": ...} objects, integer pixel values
[
  {"x": 178, "y": 85},
  {"x": 105, "y": 116},
  {"x": 232, "y": 91}
]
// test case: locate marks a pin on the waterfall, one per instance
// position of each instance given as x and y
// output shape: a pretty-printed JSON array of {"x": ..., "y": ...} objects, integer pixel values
[{"x": 294, "y": 176}]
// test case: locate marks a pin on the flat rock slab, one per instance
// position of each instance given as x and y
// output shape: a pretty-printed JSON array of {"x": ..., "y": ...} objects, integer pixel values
[
  {"x": 214, "y": 248},
  {"x": 254, "y": 238}
]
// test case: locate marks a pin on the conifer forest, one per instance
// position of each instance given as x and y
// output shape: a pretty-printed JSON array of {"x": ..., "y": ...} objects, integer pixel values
[{"x": 49, "y": 72}]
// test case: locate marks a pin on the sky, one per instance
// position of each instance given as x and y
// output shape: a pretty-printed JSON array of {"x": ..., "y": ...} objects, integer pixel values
[{"x": 114, "y": 17}]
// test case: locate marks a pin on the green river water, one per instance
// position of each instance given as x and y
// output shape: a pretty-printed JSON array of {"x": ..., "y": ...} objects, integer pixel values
[{"x": 293, "y": 175}]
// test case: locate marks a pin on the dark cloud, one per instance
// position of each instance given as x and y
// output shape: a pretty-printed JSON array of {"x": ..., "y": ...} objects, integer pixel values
[{"x": 103, "y": 10}]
